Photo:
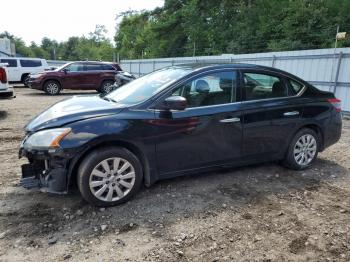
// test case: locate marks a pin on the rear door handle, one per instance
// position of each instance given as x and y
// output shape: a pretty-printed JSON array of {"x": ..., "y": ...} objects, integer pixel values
[
  {"x": 292, "y": 113},
  {"x": 230, "y": 120}
]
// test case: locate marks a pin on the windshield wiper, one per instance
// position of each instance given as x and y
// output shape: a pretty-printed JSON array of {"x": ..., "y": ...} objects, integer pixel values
[{"x": 109, "y": 99}]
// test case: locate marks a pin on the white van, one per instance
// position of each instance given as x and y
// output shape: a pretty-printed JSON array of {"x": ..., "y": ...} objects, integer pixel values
[{"x": 19, "y": 68}]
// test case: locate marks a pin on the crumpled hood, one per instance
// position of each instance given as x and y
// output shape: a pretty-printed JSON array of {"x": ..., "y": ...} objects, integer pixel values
[{"x": 71, "y": 110}]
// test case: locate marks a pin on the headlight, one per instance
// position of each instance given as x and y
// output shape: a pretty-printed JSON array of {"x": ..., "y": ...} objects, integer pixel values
[
  {"x": 36, "y": 76},
  {"x": 47, "y": 138}
]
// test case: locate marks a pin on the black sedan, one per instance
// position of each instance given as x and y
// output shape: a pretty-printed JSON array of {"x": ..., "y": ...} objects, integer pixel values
[{"x": 177, "y": 120}]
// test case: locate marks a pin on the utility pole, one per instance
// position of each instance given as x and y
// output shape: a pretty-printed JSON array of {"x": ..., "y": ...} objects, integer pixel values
[
  {"x": 339, "y": 36},
  {"x": 336, "y": 40},
  {"x": 194, "y": 49},
  {"x": 334, "y": 55}
]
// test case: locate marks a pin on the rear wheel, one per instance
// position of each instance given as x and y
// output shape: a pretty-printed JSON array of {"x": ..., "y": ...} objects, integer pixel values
[
  {"x": 303, "y": 149},
  {"x": 109, "y": 176},
  {"x": 52, "y": 87},
  {"x": 106, "y": 87}
]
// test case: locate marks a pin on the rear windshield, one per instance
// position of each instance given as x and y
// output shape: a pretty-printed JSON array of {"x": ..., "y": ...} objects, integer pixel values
[
  {"x": 30, "y": 63},
  {"x": 93, "y": 67}
]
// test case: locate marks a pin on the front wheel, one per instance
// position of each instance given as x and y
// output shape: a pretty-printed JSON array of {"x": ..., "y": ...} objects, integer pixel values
[
  {"x": 109, "y": 176},
  {"x": 52, "y": 87},
  {"x": 303, "y": 150}
]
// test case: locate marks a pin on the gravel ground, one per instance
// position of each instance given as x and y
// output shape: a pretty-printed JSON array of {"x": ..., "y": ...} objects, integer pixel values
[{"x": 257, "y": 213}]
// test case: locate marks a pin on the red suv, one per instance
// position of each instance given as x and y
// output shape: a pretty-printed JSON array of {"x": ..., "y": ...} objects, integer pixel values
[{"x": 76, "y": 75}]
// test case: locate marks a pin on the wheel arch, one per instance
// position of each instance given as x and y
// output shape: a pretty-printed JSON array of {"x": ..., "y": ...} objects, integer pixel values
[
  {"x": 76, "y": 162},
  {"x": 52, "y": 79},
  {"x": 24, "y": 75},
  {"x": 106, "y": 80},
  {"x": 313, "y": 126},
  {"x": 318, "y": 131}
]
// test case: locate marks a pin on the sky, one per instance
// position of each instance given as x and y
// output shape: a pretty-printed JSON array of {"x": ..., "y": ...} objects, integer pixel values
[{"x": 59, "y": 19}]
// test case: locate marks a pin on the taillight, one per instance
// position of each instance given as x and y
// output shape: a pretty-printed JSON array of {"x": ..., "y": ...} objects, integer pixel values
[
  {"x": 3, "y": 76},
  {"x": 336, "y": 103}
]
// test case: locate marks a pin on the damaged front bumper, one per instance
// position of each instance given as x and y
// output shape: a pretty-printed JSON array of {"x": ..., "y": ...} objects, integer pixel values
[{"x": 46, "y": 170}]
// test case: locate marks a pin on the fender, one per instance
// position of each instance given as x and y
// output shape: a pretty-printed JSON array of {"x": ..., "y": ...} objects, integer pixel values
[{"x": 150, "y": 173}]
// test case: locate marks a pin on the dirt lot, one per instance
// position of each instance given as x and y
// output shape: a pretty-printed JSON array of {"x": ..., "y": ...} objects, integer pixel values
[{"x": 257, "y": 213}]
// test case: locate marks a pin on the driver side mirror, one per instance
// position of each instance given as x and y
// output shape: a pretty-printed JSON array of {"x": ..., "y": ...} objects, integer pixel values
[
  {"x": 65, "y": 70},
  {"x": 175, "y": 103}
]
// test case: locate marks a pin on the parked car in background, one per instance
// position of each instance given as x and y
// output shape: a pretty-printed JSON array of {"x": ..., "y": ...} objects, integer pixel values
[
  {"x": 121, "y": 79},
  {"x": 6, "y": 92},
  {"x": 98, "y": 76},
  {"x": 178, "y": 120},
  {"x": 19, "y": 68}
]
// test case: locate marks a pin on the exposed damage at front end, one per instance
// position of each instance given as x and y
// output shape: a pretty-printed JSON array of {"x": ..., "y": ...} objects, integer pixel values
[
  {"x": 51, "y": 145},
  {"x": 47, "y": 168}
]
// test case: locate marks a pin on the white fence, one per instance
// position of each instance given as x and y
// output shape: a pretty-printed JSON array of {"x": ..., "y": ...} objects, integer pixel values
[
  {"x": 57, "y": 63},
  {"x": 321, "y": 67}
]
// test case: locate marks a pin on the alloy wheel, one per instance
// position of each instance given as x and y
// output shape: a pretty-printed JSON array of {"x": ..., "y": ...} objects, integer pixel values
[
  {"x": 112, "y": 179},
  {"x": 52, "y": 88},
  {"x": 305, "y": 149}
]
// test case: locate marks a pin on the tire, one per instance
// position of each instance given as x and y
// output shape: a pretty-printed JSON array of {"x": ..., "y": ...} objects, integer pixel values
[
  {"x": 52, "y": 87},
  {"x": 95, "y": 181},
  {"x": 25, "y": 79},
  {"x": 106, "y": 87},
  {"x": 303, "y": 150}
]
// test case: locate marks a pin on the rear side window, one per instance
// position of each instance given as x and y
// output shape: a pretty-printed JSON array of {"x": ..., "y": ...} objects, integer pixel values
[
  {"x": 30, "y": 63},
  {"x": 108, "y": 67},
  {"x": 10, "y": 62},
  {"x": 94, "y": 67},
  {"x": 213, "y": 89},
  {"x": 117, "y": 67},
  {"x": 263, "y": 86},
  {"x": 296, "y": 87}
]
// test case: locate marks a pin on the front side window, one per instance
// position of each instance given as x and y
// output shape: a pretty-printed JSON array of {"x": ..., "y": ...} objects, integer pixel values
[
  {"x": 10, "y": 62},
  {"x": 262, "y": 86},
  {"x": 77, "y": 67},
  {"x": 30, "y": 63},
  {"x": 213, "y": 89}
]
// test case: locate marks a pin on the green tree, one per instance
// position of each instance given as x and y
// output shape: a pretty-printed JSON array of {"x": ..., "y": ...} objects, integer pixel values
[
  {"x": 206, "y": 27},
  {"x": 94, "y": 47}
]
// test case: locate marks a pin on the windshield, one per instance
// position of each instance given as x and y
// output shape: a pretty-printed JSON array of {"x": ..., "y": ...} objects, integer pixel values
[
  {"x": 145, "y": 87},
  {"x": 61, "y": 67}
]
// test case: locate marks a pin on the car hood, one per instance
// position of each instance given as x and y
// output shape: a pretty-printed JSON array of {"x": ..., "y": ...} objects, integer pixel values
[{"x": 71, "y": 110}]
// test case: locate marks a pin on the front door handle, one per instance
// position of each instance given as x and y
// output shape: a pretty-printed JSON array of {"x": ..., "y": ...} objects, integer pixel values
[
  {"x": 230, "y": 120},
  {"x": 292, "y": 113}
]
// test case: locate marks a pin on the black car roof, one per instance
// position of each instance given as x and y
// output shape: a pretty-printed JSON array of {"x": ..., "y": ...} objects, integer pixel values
[
  {"x": 196, "y": 66},
  {"x": 209, "y": 66},
  {"x": 94, "y": 62}
]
